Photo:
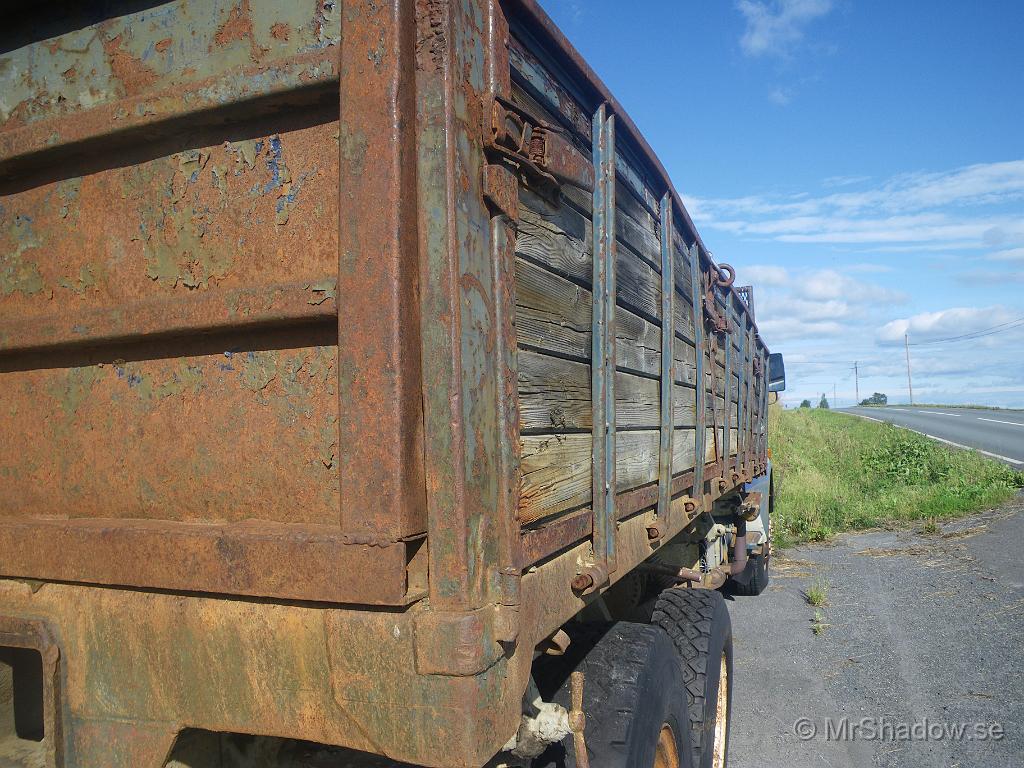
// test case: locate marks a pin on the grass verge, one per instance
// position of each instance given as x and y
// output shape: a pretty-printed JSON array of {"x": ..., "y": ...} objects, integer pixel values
[{"x": 840, "y": 473}]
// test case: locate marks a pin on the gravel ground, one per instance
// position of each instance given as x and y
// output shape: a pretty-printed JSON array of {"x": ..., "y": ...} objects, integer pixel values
[{"x": 918, "y": 627}]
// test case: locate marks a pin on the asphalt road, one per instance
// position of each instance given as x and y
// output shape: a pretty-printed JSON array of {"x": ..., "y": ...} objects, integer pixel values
[
  {"x": 918, "y": 628},
  {"x": 997, "y": 433}
]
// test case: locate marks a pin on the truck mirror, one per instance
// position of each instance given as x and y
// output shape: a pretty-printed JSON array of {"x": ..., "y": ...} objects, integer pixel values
[{"x": 776, "y": 373}]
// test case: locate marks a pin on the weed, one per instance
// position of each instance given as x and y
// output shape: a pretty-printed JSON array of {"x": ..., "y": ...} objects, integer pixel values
[
  {"x": 817, "y": 593},
  {"x": 931, "y": 527},
  {"x": 818, "y": 624}
]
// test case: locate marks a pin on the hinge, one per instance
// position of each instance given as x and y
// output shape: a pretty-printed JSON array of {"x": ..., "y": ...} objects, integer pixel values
[
  {"x": 544, "y": 155},
  {"x": 521, "y": 139}
]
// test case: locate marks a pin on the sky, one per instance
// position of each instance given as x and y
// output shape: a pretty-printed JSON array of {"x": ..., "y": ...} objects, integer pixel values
[{"x": 860, "y": 163}]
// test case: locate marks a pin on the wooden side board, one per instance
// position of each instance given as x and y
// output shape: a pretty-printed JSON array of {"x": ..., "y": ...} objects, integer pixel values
[
  {"x": 556, "y": 468},
  {"x": 553, "y": 315}
]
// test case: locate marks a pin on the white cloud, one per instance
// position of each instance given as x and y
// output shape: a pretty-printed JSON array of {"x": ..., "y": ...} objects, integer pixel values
[
  {"x": 773, "y": 27},
  {"x": 780, "y": 96},
  {"x": 830, "y": 285},
  {"x": 761, "y": 274},
  {"x": 969, "y": 207},
  {"x": 1011, "y": 254},
  {"x": 844, "y": 181},
  {"x": 946, "y": 323}
]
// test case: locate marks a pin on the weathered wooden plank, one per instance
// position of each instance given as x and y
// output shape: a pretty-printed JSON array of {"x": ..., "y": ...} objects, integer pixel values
[
  {"x": 556, "y": 469},
  {"x": 641, "y": 234},
  {"x": 562, "y": 239},
  {"x": 554, "y": 315},
  {"x": 554, "y": 396}
]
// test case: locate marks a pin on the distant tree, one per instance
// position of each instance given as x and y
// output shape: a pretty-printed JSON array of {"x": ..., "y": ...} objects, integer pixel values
[
  {"x": 876, "y": 399},
  {"x": 805, "y": 404},
  {"x": 823, "y": 403}
]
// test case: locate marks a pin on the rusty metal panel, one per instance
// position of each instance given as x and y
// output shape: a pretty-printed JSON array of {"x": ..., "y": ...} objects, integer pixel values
[
  {"x": 149, "y": 64},
  {"x": 222, "y": 429},
  {"x": 169, "y": 275},
  {"x": 379, "y": 384},
  {"x": 289, "y": 562},
  {"x": 214, "y": 217}
]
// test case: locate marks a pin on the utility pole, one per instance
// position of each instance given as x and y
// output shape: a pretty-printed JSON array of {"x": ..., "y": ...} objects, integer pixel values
[
  {"x": 856, "y": 382},
  {"x": 910, "y": 383}
]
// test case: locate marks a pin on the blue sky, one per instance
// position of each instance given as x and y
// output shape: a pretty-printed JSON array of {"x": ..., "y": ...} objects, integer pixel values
[{"x": 860, "y": 162}]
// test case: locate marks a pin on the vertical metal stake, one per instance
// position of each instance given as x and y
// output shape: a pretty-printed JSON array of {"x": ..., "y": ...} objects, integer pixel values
[
  {"x": 727, "y": 437},
  {"x": 668, "y": 367},
  {"x": 741, "y": 386},
  {"x": 700, "y": 385},
  {"x": 603, "y": 343}
]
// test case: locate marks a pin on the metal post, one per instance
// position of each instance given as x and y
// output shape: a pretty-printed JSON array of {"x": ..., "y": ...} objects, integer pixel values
[
  {"x": 668, "y": 368},
  {"x": 727, "y": 431},
  {"x": 699, "y": 383},
  {"x": 856, "y": 382},
  {"x": 603, "y": 343}
]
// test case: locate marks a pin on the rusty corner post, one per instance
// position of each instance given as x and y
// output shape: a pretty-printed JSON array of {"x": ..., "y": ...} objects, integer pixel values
[
  {"x": 380, "y": 465},
  {"x": 668, "y": 367},
  {"x": 602, "y": 366},
  {"x": 466, "y": 247}
]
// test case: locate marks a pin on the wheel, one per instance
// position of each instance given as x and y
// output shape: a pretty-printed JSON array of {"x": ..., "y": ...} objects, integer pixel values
[
  {"x": 754, "y": 578},
  {"x": 697, "y": 620},
  {"x": 634, "y": 700}
]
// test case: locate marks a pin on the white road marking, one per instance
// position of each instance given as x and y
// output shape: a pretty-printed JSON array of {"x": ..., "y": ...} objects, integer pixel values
[
  {"x": 941, "y": 413},
  {"x": 1016, "y": 462},
  {"x": 869, "y": 418},
  {"x": 959, "y": 445},
  {"x": 896, "y": 409},
  {"x": 997, "y": 421}
]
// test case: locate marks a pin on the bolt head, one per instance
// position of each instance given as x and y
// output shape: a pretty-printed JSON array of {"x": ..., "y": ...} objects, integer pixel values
[{"x": 582, "y": 581}]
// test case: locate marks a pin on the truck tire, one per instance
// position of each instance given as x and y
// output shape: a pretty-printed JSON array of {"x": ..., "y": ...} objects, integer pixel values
[
  {"x": 754, "y": 578},
  {"x": 697, "y": 620},
  {"x": 634, "y": 701}
]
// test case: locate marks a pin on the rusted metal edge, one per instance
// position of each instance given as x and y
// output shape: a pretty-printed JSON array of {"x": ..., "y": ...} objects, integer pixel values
[
  {"x": 39, "y": 636},
  {"x": 541, "y": 24},
  {"x": 603, "y": 334},
  {"x": 271, "y": 560},
  {"x": 186, "y": 314},
  {"x": 58, "y": 134},
  {"x": 668, "y": 363}
]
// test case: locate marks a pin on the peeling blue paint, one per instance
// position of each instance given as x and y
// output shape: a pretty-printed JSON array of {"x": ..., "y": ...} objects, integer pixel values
[{"x": 274, "y": 164}]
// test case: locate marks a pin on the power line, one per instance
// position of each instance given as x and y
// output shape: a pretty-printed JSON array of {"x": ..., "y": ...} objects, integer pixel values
[{"x": 1009, "y": 325}]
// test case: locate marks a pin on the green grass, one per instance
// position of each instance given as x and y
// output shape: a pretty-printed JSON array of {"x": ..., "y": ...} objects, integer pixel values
[
  {"x": 818, "y": 625},
  {"x": 836, "y": 472},
  {"x": 817, "y": 593}
]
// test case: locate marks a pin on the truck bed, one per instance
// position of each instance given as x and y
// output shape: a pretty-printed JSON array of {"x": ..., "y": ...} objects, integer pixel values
[{"x": 325, "y": 326}]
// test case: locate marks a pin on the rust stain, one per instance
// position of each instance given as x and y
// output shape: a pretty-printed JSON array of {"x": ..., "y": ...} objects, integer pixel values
[
  {"x": 162, "y": 45},
  {"x": 280, "y": 31},
  {"x": 135, "y": 76},
  {"x": 238, "y": 26}
]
